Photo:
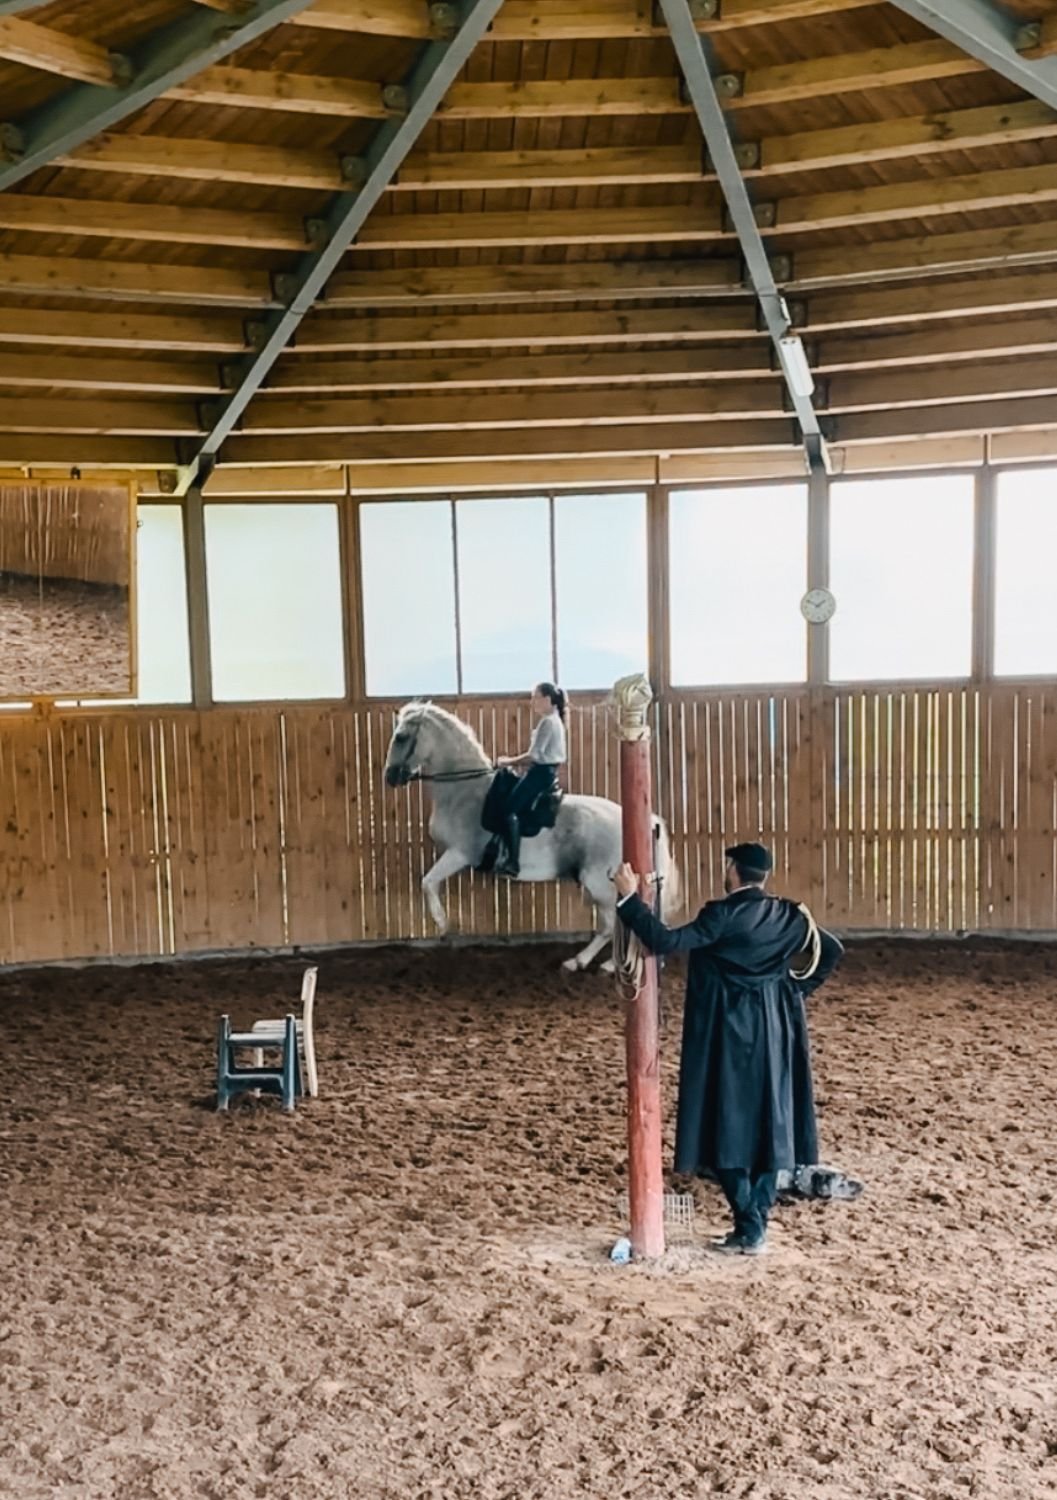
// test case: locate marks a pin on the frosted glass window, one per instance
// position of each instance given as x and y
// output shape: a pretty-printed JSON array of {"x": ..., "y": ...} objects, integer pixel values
[
  {"x": 408, "y": 590},
  {"x": 504, "y": 593},
  {"x": 738, "y": 571},
  {"x": 600, "y": 567},
  {"x": 163, "y": 646},
  {"x": 901, "y": 568},
  {"x": 163, "y": 649},
  {"x": 1025, "y": 564},
  {"x": 275, "y": 609}
]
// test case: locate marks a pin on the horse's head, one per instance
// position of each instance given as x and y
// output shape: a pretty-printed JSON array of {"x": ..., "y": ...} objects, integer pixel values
[
  {"x": 428, "y": 740},
  {"x": 409, "y": 747}
]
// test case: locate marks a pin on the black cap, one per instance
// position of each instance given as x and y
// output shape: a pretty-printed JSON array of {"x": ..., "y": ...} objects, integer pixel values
[{"x": 752, "y": 857}]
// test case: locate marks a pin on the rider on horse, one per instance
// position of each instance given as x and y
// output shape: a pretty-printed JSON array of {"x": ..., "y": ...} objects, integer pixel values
[{"x": 539, "y": 766}]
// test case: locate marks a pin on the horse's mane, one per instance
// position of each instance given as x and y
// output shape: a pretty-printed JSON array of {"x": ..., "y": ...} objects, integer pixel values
[{"x": 414, "y": 713}]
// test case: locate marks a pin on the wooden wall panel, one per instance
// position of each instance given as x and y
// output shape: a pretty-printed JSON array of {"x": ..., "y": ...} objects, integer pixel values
[{"x": 138, "y": 832}]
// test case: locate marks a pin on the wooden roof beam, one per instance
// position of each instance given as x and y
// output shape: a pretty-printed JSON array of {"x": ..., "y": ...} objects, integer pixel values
[
  {"x": 99, "y": 373},
  {"x": 414, "y": 286},
  {"x": 722, "y": 320},
  {"x": 133, "y": 281},
  {"x": 381, "y": 446},
  {"x": 1013, "y": 415},
  {"x": 1006, "y": 337},
  {"x": 883, "y": 391},
  {"x": 526, "y": 330},
  {"x": 53, "y": 51},
  {"x": 993, "y": 37},
  {"x": 888, "y": 390},
  {"x": 165, "y": 58},
  {"x": 808, "y": 269},
  {"x": 561, "y": 20},
  {"x": 167, "y": 223},
  {"x": 878, "y": 307},
  {"x": 498, "y": 370},
  {"x": 120, "y": 330},
  {"x": 52, "y": 415},
  {"x": 831, "y": 76},
  {"x": 924, "y": 255},
  {"x": 297, "y": 93},
  {"x": 281, "y": 166},
  {"x": 696, "y": 402},
  {"x": 671, "y": 224},
  {"x": 929, "y": 198},
  {"x": 50, "y": 451},
  {"x": 209, "y": 161},
  {"x": 838, "y": 350}
]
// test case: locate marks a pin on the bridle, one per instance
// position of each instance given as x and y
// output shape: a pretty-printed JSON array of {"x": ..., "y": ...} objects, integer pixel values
[{"x": 474, "y": 773}]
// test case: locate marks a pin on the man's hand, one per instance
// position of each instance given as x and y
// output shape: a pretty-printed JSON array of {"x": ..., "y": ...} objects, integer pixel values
[{"x": 626, "y": 881}]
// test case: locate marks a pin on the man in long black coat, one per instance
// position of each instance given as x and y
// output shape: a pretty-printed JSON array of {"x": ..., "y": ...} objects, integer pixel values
[{"x": 746, "y": 1108}]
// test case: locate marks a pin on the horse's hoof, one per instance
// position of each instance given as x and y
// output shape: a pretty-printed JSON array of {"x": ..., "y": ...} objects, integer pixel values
[{"x": 571, "y": 966}]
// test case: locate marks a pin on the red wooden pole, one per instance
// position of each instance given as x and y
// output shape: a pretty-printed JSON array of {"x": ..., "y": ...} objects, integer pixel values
[{"x": 642, "y": 1024}]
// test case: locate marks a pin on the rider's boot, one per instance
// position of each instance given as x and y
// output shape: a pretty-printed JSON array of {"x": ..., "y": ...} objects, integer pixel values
[{"x": 511, "y": 863}]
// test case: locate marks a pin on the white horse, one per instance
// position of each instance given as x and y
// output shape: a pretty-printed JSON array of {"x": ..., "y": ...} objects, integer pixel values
[{"x": 431, "y": 745}]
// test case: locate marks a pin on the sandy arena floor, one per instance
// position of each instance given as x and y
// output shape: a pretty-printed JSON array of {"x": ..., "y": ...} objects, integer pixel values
[
  {"x": 62, "y": 638},
  {"x": 402, "y": 1291}
]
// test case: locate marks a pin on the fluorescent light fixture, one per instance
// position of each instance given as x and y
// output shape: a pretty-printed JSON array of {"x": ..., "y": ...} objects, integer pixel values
[{"x": 795, "y": 365}]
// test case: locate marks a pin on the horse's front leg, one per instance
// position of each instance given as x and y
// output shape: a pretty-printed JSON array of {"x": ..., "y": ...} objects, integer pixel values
[{"x": 449, "y": 864}]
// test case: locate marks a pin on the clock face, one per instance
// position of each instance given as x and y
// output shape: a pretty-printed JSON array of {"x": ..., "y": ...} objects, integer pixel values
[{"x": 817, "y": 606}]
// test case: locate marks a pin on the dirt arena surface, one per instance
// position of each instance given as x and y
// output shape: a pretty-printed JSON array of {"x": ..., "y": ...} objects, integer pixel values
[
  {"x": 402, "y": 1290},
  {"x": 62, "y": 637}
]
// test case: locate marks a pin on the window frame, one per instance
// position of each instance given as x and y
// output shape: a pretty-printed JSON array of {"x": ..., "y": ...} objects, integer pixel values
[
  {"x": 992, "y": 677},
  {"x": 201, "y": 603},
  {"x": 916, "y": 684},
  {"x": 686, "y": 692},
  {"x": 553, "y": 496}
]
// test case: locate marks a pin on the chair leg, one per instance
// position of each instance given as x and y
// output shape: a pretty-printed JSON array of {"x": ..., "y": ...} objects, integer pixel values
[
  {"x": 223, "y": 1089},
  {"x": 290, "y": 1068}
]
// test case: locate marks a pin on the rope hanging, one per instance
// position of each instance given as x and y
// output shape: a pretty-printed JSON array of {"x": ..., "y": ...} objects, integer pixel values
[
  {"x": 629, "y": 954},
  {"x": 629, "y": 962},
  {"x": 813, "y": 946}
]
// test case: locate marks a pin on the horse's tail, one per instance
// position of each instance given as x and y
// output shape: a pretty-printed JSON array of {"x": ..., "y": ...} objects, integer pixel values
[{"x": 668, "y": 870}]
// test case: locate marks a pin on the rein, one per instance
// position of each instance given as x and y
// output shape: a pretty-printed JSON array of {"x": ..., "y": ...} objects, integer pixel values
[{"x": 452, "y": 775}]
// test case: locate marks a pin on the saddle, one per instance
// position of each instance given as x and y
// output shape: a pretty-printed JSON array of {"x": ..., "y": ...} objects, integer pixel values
[{"x": 540, "y": 814}]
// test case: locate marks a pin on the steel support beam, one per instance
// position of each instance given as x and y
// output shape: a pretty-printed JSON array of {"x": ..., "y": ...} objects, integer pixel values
[
  {"x": 437, "y": 67},
  {"x": 993, "y": 37},
  {"x": 162, "y": 60},
  {"x": 694, "y": 58}
]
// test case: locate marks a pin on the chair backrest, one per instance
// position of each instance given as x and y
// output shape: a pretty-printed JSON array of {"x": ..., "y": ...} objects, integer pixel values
[{"x": 308, "y": 1036}]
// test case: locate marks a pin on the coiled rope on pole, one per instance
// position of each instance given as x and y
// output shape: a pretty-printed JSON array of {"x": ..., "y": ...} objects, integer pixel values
[
  {"x": 629, "y": 962},
  {"x": 630, "y": 954}
]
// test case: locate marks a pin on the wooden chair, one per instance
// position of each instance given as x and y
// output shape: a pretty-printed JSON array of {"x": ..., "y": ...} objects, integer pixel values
[{"x": 270, "y": 1033}]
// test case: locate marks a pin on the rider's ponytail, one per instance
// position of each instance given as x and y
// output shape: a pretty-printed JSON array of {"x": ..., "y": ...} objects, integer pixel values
[{"x": 558, "y": 696}]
